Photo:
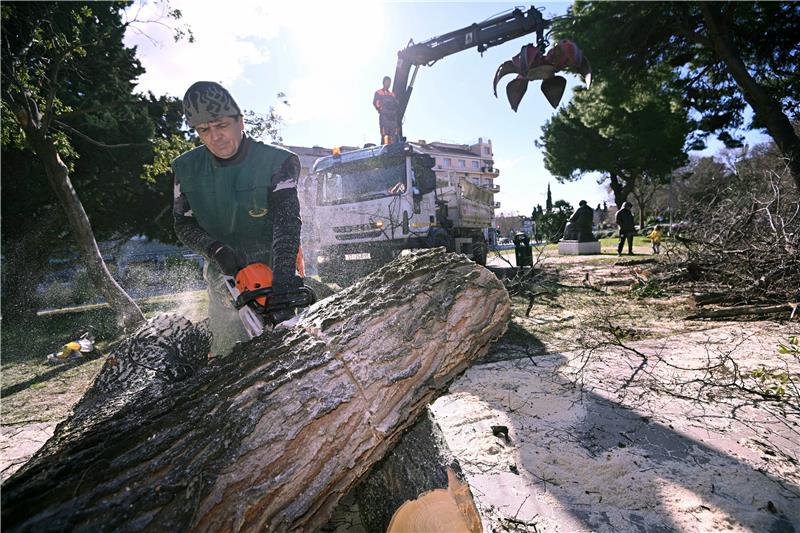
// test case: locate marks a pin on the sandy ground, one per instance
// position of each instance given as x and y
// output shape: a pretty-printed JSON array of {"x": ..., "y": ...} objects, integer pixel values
[
  {"x": 606, "y": 455},
  {"x": 621, "y": 416}
]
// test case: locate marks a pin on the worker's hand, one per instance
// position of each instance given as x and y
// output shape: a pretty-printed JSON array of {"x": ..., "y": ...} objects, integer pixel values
[{"x": 225, "y": 258}]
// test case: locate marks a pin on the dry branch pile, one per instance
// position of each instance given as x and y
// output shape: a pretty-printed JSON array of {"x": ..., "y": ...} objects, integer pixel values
[{"x": 743, "y": 244}]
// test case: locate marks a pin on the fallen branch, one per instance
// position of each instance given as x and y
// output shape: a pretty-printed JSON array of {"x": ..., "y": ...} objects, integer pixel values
[{"x": 745, "y": 310}]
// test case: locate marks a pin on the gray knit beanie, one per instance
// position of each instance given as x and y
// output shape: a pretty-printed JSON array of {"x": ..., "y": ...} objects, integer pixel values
[{"x": 205, "y": 101}]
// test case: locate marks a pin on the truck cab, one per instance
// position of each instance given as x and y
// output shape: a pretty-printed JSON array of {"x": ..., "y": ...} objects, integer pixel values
[{"x": 375, "y": 202}]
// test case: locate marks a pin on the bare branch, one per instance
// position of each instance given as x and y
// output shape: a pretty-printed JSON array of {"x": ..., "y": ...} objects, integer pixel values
[{"x": 98, "y": 143}]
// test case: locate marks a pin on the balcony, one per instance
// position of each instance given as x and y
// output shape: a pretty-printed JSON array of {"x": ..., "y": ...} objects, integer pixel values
[
  {"x": 497, "y": 205},
  {"x": 494, "y": 188},
  {"x": 490, "y": 170}
]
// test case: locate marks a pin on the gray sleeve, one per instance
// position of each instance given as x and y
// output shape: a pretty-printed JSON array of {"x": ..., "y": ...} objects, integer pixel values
[
  {"x": 284, "y": 207},
  {"x": 186, "y": 227}
]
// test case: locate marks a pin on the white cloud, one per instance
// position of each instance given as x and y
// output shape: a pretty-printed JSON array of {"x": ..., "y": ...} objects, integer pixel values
[
  {"x": 324, "y": 38},
  {"x": 508, "y": 164},
  {"x": 228, "y": 37}
]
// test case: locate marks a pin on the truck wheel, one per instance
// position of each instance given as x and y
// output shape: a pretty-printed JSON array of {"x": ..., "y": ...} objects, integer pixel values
[
  {"x": 479, "y": 251},
  {"x": 439, "y": 237}
]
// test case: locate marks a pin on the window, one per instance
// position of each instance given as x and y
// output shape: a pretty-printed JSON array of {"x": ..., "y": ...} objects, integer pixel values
[
  {"x": 461, "y": 163},
  {"x": 446, "y": 162},
  {"x": 353, "y": 182},
  {"x": 487, "y": 150},
  {"x": 474, "y": 165}
]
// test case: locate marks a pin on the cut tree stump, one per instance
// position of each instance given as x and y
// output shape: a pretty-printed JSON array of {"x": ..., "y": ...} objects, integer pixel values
[
  {"x": 272, "y": 436},
  {"x": 417, "y": 464}
]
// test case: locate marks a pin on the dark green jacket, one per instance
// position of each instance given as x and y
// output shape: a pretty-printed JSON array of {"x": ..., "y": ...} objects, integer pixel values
[{"x": 230, "y": 200}]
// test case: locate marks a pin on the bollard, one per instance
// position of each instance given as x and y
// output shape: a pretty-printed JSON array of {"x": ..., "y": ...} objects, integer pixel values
[{"x": 522, "y": 250}]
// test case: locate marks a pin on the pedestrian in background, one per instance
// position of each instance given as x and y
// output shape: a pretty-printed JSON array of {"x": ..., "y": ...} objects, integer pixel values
[
  {"x": 655, "y": 236},
  {"x": 627, "y": 228}
]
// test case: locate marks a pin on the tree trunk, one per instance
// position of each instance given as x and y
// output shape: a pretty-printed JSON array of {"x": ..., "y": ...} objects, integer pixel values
[
  {"x": 417, "y": 464},
  {"x": 129, "y": 316},
  {"x": 766, "y": 108},
  {"x": 621, "y": 190},
  {"x": 271, "y": 437}
]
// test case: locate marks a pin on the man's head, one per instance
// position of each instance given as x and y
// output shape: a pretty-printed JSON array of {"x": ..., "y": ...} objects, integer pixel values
[
  {"x": 212, "y": 112},
  {"x": 582, "y": 203},
  {"x": 626, "y": 205},
  {"x": 386, "y": 82}
]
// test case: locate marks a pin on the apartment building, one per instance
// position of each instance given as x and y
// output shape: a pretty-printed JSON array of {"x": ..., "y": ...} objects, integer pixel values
[{"x": 471, "y": 162}]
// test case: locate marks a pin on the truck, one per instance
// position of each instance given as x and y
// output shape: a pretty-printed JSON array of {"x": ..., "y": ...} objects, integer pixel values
[
  {"x": 375, "y": 202},
  {"x": 371, "y": 204}
]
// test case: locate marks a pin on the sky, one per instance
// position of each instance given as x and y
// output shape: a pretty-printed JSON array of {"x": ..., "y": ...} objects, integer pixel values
[{"x": 329, "y": 58}]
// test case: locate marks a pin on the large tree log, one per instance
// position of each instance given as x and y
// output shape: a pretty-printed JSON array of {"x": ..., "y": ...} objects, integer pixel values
[{"x": 274, "y": 435}]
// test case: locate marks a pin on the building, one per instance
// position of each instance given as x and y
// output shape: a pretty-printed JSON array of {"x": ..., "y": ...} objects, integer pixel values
[
  {"x": 459, "y": 167},
  {"x": 474, "y": 162}
]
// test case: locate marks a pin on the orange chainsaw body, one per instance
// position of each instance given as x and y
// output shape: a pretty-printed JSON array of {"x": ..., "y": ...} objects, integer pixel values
[{"x": 259, "y": 276}]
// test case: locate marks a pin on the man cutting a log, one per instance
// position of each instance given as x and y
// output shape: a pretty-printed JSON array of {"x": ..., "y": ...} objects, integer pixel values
[{"x": 235, "y": 203}]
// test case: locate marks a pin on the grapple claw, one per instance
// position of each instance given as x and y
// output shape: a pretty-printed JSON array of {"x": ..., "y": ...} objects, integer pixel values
[
  {"x": 506, "y": 68},
  {"x": 553, "y": 89},
  {"x": 515, "y": 90},
  {"x": 531, "y": 64},
  {"x": 567, "y": 56}
]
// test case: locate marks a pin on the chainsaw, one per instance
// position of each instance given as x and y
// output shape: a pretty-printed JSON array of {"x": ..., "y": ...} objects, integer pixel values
[{"x": 258, "y": 302}]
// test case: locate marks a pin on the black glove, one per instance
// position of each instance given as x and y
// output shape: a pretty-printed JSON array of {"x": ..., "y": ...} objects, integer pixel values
[
  {"x": 282, "y": 315},
  {"x": 225, "y": 258}
]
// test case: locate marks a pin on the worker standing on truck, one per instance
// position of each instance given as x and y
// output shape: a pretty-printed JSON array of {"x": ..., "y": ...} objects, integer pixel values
[
  {"x": 235, "y": 203},
  {"x": 386, "y": 104}
]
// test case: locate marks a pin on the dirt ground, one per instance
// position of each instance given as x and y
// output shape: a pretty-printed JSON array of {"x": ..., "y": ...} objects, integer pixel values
[{"x": 621, "y": 414}]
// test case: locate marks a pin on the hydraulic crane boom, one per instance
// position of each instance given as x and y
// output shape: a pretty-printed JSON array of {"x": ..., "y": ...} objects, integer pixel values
[{"x": 482, "y": 35}]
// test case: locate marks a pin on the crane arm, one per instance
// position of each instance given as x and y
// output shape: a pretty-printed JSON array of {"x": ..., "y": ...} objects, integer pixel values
[{"x": 483, "y": 35}]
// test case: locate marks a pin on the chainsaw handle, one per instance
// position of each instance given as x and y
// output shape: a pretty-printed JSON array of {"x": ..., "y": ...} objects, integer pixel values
[{"x": 278, "y": 299}]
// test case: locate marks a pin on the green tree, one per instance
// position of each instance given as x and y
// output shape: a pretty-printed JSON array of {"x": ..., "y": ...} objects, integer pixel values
[
  {"x": 721, "y": 56},
  {"x": 72, "y": 123},
  {"x": 549, "y": 202},
  {"x": 551, "y": 223},
  {"x": 626, "y": 132}
]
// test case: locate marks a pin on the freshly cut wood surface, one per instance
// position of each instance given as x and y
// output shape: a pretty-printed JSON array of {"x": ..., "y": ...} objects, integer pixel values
[
  {"x": 440, "y": 510},
  {"x": 271, "y": 437}
]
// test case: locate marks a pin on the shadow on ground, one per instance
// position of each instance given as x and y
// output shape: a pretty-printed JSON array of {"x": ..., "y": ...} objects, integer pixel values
[{"x": 579, "y": 461}]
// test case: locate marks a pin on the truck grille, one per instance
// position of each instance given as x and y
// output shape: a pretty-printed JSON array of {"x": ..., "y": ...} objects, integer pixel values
[
  {"x": 351, "y": 229},
  {"x": 360, "y": 235}
]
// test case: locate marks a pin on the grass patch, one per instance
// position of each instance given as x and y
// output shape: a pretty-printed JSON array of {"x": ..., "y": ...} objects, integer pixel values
[{"x": 52, "y": 328}]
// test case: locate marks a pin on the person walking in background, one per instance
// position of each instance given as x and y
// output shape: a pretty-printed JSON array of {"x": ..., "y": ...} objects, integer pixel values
[
  {"x": 387, "y": 106},
  {"x": 655, "y": 236},
  {"x": 627, "y": 228}
]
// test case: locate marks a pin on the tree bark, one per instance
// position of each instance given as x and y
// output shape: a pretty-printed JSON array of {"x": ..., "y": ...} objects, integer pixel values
[
  {"x": 417, "y": 464},
  {"x": 765, "y": 107},
  {"x": 129, "y": 316},
  {"x": 271, "y": 437}
]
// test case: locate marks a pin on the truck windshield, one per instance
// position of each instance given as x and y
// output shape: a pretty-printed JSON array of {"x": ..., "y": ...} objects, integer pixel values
[{"x": 361, "y": 181}]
